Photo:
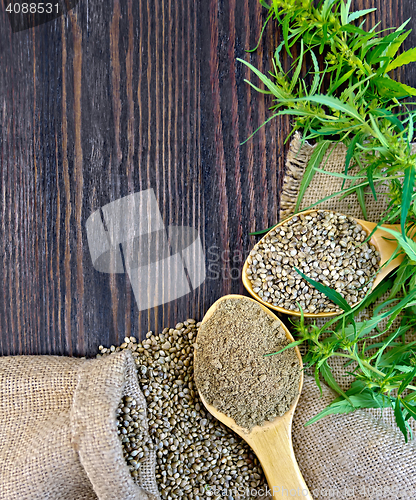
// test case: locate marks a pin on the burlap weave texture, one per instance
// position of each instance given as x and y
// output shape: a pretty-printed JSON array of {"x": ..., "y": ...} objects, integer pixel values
[
  {"x": 58, "y": 430},
  {"x": 351, "y": 457}
]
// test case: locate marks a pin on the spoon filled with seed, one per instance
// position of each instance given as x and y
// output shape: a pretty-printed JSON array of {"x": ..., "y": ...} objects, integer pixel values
[
  {"x": 328, "y": 247},
  {"x": 253, "y": 394}
]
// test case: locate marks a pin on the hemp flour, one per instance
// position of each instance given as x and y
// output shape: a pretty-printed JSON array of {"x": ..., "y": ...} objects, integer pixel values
[{"x": 231, "y": 370}]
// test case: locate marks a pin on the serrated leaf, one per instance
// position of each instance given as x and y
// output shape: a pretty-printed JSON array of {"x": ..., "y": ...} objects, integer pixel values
[
  {"x": 403, "y": 26},
  {"x": 354, "y": 29},
  {"x": 406, "y": 381},
  {"x": 326, "y": 7},
  {"x": 262, "y": 125},
  {"x": 403, "y": 304},
  {"x": 356, "y": 15},
  {"x": 339, "y": 81},
  {"x": 404, "y": 368},
  {"x": 408, "y": 245},
  {"x": 410, "y": 130},
  {"x": 395, "y": 46},
  {"x": 408, "y": 89},
  {"x": 361, "y": 200},
  {"x": 270, "y": 15},
  {"x": 359, "y": 399},
  {"x": 332, "y": 294},
  {"x": 363, "y": 368},
  {"x": 335, "y": 408},
  {"x": 368, "y": 325},
  {"x": 317, "y": 381},
  {"x": 383, "y": 46},
  {"x": 314, "y": 161},
  {"x": 375, "y": 294},
  {"x": 350, "y": 154},
  {"x": 285, "y": 28},
  {"x": 378, "y": 133},
  {"x": 408, "y": 187},
  {"x": 345, "y": 9},
  {"x": 365, "y": 43},
  {"x": 277, "y": 56},
  {"x": 403, "y": 273},
  {"x": 370, "y": 169},
  {"x": 379, "y": 354},
  {"x": 267, "y": 82},
  {"x": 368, "y": 399},
  {"x": 258, "y": 89},
  {"x": 391, "y": 117},
  {"x": 410, "y": 408},
  {"x": 390, "y": 88},
  {"x": 334, "y": 103},
  {"x": 405, "y": 58},
  {"x": 330, "y": 380},
  {"x": 356, "y": 387},
  {"x": 316, "y": 77},
  {"x": 289, "y": 346},
  {"x": 298, "y": 69},
  {"x": 399, "y": 418}
]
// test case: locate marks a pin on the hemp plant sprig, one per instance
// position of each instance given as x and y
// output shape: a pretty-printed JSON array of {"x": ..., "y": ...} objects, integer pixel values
[
  {"x": 348, "y": 95},
  {"x": 377, "y": 350},
  {"x": 383, "y": 370},
  {"x": 340, "y": 88}
]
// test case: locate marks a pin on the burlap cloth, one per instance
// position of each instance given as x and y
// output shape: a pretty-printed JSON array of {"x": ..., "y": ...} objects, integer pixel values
[
  {"x": 361, "y": 455},
  {"x": 58, "y": 429}
]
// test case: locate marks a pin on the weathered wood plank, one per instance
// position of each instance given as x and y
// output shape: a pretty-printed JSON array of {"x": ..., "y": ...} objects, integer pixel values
[{"x": 115, "y": 98}]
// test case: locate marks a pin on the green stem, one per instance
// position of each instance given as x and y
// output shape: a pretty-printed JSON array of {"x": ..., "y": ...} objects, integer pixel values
[
  {"x": 370, "y": 367},
  {"x": 352, "y": 357}
]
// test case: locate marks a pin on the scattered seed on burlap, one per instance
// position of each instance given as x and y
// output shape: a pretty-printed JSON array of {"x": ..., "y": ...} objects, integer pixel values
[
  {"x": 133, "y": 435},
  {"x": 231, "y": 370},
  {"x": 195, "y": 453},
  {"x": 327, "y": 247}
]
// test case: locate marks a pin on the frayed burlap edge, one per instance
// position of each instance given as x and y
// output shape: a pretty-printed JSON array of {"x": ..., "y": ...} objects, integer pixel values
[
  {"x": 296, "y": 162},
  {"x": 101, "y": 385}
]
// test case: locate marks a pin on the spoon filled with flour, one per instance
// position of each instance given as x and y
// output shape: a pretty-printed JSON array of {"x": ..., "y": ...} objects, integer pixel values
[{"x": 252, "y": 393}]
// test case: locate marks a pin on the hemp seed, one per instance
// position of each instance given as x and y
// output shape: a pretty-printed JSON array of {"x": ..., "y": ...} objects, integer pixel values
[{"x": 325, "y": 246}]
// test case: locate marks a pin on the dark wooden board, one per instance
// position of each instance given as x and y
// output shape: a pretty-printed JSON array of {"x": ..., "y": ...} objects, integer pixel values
[{"x": 114, "y": 98}]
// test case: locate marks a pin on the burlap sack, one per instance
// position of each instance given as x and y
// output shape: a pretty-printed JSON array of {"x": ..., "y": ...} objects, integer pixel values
[
  {"x": 323, "y": 185},
  {"x": 361, "y": 455},
  {"x": 58, "y": 430}
]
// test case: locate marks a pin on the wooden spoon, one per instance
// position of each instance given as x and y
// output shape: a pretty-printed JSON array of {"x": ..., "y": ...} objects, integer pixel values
[
  {"x": 385, "y": 247},
  {"x": 272, "y": 441}
]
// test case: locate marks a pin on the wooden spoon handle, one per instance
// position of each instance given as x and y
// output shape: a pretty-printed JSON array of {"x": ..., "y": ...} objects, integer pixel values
[{"x": 274, "y": 450}]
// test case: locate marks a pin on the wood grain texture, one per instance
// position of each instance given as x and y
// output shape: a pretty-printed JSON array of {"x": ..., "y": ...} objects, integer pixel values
[{"x": 114, "y": 98}]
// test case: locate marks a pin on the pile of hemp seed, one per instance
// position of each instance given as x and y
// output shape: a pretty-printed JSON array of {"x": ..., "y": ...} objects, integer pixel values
[
  {"x": 325, "y": 246},
  {"x": 196, "y": 455},
  {"x": 132, "y": 431}
]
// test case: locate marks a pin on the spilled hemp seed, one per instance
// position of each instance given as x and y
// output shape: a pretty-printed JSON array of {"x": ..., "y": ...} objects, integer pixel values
[
  {"x": 196, "y": 455},
  {"x": 325, "y": 246},
  {"x": 132, "y": 433}
]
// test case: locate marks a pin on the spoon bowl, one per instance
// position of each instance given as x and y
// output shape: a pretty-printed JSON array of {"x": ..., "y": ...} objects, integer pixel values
[
  {"x": 386, "y": 247},
  {"x": 272, "y": 441}
]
